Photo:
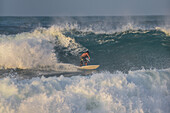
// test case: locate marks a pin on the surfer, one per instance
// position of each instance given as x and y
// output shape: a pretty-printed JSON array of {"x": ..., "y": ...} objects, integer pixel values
[{"x": 84, "y": 58}]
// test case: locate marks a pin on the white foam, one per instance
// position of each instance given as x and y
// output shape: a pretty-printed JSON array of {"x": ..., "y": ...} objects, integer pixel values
[
  {"x": 34, "y": 49},
  {"x": 104, "y": 29},
  {"x": 137, "y": 92},
  {"x": 166, "y": 30}
]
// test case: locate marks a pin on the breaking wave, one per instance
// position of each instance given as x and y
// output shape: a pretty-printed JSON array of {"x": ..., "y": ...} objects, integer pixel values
[{"x": 34, "y": 49}]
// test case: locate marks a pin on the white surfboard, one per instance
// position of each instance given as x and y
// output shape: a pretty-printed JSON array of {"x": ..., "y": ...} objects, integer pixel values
[{"x": 89, "y": 67}]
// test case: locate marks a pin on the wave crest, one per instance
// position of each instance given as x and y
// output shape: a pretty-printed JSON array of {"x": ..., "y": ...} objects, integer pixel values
[{"x": 34, "y": 49}]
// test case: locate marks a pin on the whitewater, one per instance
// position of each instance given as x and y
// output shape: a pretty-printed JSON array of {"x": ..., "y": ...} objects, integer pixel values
[{"x": 39, "y": 57}]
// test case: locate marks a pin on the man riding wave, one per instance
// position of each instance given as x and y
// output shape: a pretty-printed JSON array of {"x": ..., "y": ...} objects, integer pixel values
[{"x": 84, "y": 58}]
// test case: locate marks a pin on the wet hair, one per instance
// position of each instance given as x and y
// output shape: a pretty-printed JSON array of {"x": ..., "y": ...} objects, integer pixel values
[{"x": 87, "y": 52}]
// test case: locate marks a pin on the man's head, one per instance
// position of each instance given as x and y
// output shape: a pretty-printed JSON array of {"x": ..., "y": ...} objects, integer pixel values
[{"x": 87, "y": 52}]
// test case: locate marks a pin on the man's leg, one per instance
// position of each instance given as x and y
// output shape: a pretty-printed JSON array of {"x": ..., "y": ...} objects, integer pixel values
[{"x": 81, "y": 62}]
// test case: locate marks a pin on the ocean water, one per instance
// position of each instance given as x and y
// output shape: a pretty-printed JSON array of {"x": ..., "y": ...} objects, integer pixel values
[{"x": 39, "y": 57}]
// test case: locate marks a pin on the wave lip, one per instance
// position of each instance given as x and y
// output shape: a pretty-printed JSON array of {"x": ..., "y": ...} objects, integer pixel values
[{"x": 166, "y": 30}]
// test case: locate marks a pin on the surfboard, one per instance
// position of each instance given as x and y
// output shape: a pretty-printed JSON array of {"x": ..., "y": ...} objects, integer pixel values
[{"x": 89, "y": 67}]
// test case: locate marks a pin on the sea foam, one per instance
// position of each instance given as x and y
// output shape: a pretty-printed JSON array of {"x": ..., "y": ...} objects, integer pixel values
[{"x": 136, "y": 92}]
